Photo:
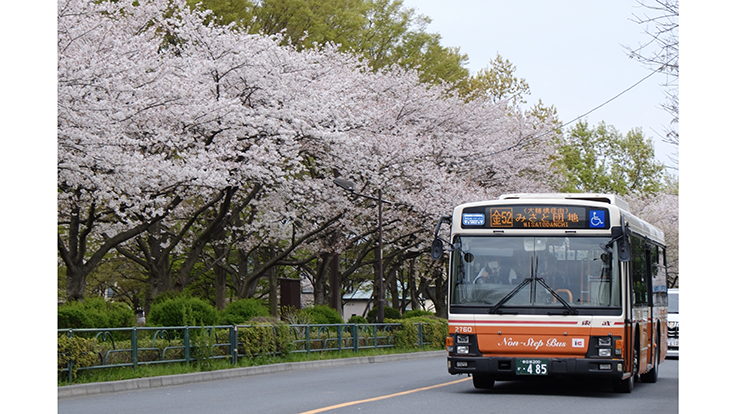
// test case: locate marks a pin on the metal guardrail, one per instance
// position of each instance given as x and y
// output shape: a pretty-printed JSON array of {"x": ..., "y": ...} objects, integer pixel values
[{"x": 137, "y": 346}]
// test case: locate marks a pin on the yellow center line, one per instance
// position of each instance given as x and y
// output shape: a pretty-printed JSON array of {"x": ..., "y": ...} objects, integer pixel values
[{"x": 347, "y": 404}]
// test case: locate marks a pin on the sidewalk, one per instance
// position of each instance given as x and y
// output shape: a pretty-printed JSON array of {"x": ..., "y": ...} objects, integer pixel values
[{"x": 78, "y": 390}]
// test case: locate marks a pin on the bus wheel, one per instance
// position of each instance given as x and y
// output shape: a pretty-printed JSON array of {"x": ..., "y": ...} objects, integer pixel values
[
  {"x": 626, "y": 385},
  {"x": 483, "y": 381}
]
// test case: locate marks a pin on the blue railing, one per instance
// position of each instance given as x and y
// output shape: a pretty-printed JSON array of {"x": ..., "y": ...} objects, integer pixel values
[{"x": 133, "y": 347}]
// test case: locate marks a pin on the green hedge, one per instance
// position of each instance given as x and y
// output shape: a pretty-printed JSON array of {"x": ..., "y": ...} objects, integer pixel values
[
  {"x": 182, "y": 311},
  {"x": 388, "y": 313},
  {"x": 242, "y": 310},
  {"x": 322, "y": 315},
  {"x": 434, "y": 332},
  {"x": 265, "y": 337},
  {"x": 79, "y": 351},
  {"x": 95, "y": 312},
  {"x": 357, "y": 319}
]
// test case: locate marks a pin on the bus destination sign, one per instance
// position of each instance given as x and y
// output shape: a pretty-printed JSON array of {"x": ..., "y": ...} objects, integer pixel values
[{"x": 536, "y": 216}]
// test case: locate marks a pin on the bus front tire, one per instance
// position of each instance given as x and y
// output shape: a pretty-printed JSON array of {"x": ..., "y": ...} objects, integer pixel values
[
  {"x": 653, "y": 374},
  {"x": 624, "y": 386},
  {"x": 483, "y": 382},
  {"x": 627, "y": 385}
]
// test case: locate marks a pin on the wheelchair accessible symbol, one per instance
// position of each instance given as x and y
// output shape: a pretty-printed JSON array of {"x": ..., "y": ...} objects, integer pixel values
[{"x": 596, "y": 219}]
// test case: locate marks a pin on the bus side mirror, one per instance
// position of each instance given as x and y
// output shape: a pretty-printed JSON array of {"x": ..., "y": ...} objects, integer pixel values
[
  {"x": 621, "y": 236},
  {"x": 436, "y": 250}
]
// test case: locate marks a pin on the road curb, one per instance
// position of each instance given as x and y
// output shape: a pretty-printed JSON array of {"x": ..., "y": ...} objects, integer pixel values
[{"x": 79, "y": 390}]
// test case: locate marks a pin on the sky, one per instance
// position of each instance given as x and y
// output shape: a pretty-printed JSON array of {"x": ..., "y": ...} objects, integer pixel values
[{"x": 571, "y": 53}]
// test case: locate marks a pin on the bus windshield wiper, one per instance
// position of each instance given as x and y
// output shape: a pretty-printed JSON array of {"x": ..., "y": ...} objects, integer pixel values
[
  {"x": 558, "y": 297},
  {"x": 510, "y": 295},
  {"x": 516, "y": 290}
]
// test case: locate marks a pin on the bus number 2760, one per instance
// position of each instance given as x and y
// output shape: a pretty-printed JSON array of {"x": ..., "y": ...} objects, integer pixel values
[{"x": 463, "y": 329}]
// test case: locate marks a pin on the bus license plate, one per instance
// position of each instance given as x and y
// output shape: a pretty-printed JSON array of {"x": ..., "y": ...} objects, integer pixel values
[{"x": 531, "y": 366}]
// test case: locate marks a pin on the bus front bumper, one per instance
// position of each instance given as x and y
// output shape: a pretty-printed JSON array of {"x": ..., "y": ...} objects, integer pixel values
[{"x": 506, "y": 368}]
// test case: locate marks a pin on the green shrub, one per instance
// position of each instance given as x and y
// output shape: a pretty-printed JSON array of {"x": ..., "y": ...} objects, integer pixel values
[
  {"x": 434, "y": 331},
  {"x": 95, "y": 313},
  {"x": 79, "y": 351},
  {"x": 323, "y": 315},
  {"x": 72, "y": 316},
  {"x": 293, "y": 316},
  {"x": 357, "y": 319},
  {"x": 388, "y": 313},
  {"x": 202, "y": 341},
  {"x": 164, "y": 296},
  {"x": 416, "y": 313},
  {"x": 242, "y": 310},
  {"x": 182, "y": 311},
  {"x": 265, "y": 337}
]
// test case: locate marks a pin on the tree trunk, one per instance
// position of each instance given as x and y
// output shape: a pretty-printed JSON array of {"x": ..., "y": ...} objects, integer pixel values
[
  {"x": 273, "y": 294},
  {"x": 76, "y": 280},
  {"x": 221, "y": 253},
  {"x": 73, "y": 253},
  {"x": 320, "y": 280},
  {"x": 440, "y": 292},
  {"x": 412, "y": 282},
  {"x": 391, "y": 285}
]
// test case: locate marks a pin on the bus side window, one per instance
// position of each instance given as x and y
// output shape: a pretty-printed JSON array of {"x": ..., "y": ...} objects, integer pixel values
[{"x": 639, "y": 271}]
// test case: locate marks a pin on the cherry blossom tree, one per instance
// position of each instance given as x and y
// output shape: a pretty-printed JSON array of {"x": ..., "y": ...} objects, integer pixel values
[
  {"x": 191, "y": 143},
  {"x": 113, "y": 91}
]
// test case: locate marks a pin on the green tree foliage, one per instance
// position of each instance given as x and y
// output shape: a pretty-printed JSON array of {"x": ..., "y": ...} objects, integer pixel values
[
  {"x": 600, "y": 159},
  {"x": 383, "y": 31},
  {"x": 242, "y": 310},
  {"x": 309, "y": 22},
  {"x": 497, "y": 82},
  {"x": 225, "y": 12},
  {"x": 396, "y": 35}
]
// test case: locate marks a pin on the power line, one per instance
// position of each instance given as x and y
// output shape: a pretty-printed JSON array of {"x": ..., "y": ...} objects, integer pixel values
[
  {"x": 524, "y": 142},
  {"x": 610, "y": 100}
]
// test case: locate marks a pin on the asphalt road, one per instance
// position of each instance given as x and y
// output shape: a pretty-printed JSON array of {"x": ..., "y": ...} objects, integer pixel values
[{"x": 394, "y": 386}]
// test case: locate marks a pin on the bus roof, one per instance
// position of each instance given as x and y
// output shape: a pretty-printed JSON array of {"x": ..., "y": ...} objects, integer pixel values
[{"x": 598, "y": 197}]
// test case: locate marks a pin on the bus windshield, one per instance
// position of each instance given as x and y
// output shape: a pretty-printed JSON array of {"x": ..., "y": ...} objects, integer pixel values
[{"x": 522, "y": 272}]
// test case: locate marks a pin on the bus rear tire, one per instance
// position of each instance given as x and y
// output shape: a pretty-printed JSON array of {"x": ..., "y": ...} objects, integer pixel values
[{"x": 483, "y": 382}]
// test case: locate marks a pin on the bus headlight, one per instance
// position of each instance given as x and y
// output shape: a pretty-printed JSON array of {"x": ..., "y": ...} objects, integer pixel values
[
  {"x": 604, "y": 352},
  {"x": 606, "y": 346},
  {"x": 462, "y": 349}
]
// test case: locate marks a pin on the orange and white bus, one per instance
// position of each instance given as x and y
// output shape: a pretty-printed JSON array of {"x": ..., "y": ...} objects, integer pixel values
[{"x": 552, "y": 285}]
